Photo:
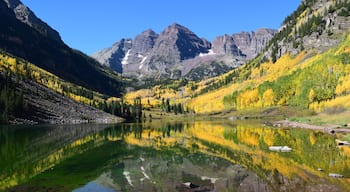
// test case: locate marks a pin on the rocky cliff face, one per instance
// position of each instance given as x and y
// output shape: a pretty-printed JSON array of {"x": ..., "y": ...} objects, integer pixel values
[
  {"x": 185, "y": 42},
  {"x": 178, "y": 52},
  {"x": 127, "y": 55},
  {"x": 175, "y": 44},
  {"x": 113, "y": 56},
  {"x": 144, "y": 42},
  {"x": 252, "y": 43},
  {"x": 226, "y": 45},
  {"x": 25, "y": 15}
]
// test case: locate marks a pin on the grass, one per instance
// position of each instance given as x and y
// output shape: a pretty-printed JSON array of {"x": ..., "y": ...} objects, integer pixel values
[
  {"x": 272, "y": 113},
  {"x": 346, "y": 137},
  {"x": 159, "y": 114},
  {"x": 342, "y": 119}
]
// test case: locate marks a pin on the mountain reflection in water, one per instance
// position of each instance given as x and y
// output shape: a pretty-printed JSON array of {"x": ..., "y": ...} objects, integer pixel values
[{"x": 164, "y": 156}]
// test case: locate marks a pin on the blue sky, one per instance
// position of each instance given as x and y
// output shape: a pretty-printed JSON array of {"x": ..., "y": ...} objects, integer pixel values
[{"x": 91, "y": 25}]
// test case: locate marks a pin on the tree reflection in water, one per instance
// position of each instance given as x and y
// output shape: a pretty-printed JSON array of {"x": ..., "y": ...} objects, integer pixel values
[{"x": 170, "y": 152}]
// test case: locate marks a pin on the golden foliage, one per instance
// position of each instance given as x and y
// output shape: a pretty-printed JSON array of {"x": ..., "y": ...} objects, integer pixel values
[
  {"x": 268, "y": 98},
  {"x": 312, "y": 95},
  {"x": 338, "y": 101},
  {"x": 25, "y": 69},
  {"x": 212, "y": 101},
  {"x": 248, "y": 99}
]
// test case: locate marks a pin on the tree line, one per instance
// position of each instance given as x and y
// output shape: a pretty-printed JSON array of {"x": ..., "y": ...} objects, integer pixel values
[
  {"x": 131, "y": 112},
  {"x": 176, "y": 108},
  {"x": 12, "y": 103}
]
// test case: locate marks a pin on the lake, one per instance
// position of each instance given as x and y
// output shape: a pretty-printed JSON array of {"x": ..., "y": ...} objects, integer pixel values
[{"x": 167, "y": 156}]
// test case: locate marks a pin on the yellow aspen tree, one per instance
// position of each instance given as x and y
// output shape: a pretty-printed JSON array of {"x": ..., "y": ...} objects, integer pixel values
[
  {"x": 312, "y": 139},
  {"x": 269, "y": 97},
  {"x": 11, "y": 61},
  {"x": 312, "y": 95},
  {"x": 340, "y": 89}
]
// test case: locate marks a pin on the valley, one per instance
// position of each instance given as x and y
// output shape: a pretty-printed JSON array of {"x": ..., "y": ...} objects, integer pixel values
[{"x": 181, "y": 100}]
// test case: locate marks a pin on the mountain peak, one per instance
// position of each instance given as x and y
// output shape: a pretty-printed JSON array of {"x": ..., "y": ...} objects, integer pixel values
[
  {"x": 265, "y": 30},
  {"x": 148, "y": 32},
  {"x": 176, "y": 28},
  {"x": 25, "y": 15},
  {"x": 180, "y": 43},
  {"x": 176, "y": 25}
]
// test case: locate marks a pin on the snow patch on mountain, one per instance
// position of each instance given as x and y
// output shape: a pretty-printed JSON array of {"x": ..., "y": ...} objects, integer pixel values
[
  {"x": 211, "y": 52},
  {"x": 126, "y": 57}
]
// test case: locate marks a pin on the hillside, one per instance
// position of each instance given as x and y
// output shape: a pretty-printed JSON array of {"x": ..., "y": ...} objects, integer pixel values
[
  {"x": 315, "y": 25},
  {"x": 29, "y": 94},
  {"x": 24, "y": 35}
]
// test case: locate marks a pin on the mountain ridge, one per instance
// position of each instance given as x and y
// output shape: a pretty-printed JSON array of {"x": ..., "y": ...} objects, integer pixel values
[{"x": 177, "y": 52}]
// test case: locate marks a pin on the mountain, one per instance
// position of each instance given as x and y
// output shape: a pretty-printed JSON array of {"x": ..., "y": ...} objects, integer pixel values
[
  {"x": 24, "y": 35},
  {"x": 304, "y": 65},
  {"x": 25, "y": 15},
  {"x": 178, "y": 52},
  {"x": 152, "y": 54}
]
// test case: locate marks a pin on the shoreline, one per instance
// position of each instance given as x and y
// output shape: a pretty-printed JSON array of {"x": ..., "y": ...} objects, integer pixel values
[{"x": 331, "y": 129}]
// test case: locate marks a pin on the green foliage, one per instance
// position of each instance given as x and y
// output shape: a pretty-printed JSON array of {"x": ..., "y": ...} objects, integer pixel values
[
  {"x": 294, "y": 89},
  {"x": 346, "y": 137},
  {"x": 12, "y": 102},
  {"x": 274, "y": 52},
  {"x": 207, "y": 70},
  {"x": 344, "y": 12},
  {"x": 292, "y": 18},
  {"x": 314, "y": 24},
  {"x": 289, "y": 24},
  {"x": 344, "y": 7},
  {"x": 175, "y": 108},
  {"x": 345, "y": 58},
  {"x": 231, "y": 100},
  {"x": 131, "y": 112}
]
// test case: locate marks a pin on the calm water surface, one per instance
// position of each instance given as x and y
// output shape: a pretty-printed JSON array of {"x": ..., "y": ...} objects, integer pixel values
[{"x": 162, "y": 156}]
